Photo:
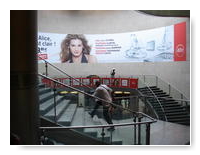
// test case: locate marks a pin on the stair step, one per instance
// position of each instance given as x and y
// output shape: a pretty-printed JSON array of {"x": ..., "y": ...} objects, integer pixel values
[
  {"x": 150, "y": 91},
  {"x": 67, "y": 116},
  {"x": 153, "y": 87},
  {"x": 43, "y": 90},
  {"x": 45, "y": 97},
  {"x": 173, "y": 114},
  {"x": 143, "y": 88},
  {"x": 169, "y": 102},
  {"x": 161, "y": 99},
  {"x": 49, "y": 104},
  {"x": 41, "y": 85},
  {"x": 78, "y": 117},
  {"x": 166, "y": 106},
  {"x": 175, "y": 111},
  {"x": 46, "y": 106},
  {"x": 59, "y": 109},
  {"x": 167, "y": 99},
  {"x": 90, "y": 121},
  {"x": 162, "y": 95},
  {"x": 171, "y": 105},
  {"x": 177, "y": 116},
  {"x": 173, "y": 108},
  {"x": 158, "y": 109},
  {"x": 165, "y": 103},
  {"x": 96, "y": 132}
]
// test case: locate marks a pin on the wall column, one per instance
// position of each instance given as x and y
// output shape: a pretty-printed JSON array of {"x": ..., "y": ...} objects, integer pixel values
[{"x": 24, "y": 106}]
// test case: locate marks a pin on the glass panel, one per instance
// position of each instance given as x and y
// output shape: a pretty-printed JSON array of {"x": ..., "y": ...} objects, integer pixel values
[
  {"x": 143, "y": 134},
  {"x": 123, "y": 135},
  {"x": 73, "y": 108}
]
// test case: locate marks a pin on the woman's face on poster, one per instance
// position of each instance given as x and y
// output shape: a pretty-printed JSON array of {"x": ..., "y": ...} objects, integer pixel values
[{"x": 76, "y": 47}]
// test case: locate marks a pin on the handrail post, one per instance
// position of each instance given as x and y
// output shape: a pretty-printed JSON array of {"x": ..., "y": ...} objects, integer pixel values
[
  {"x": 186, "y": 104},
  {"x": 111, "y": 137},
  {"x": 181, "y": 99},
  {"x": 156, "y": 81},
  {"x": 148, "y": 134},
  {"x": 46, "y": 68},
  {"x": 145, "y": 103},
  {"x": 139, "y": 130},
  {"x": 169, "y": 89},
  {"x": 102, "y": 134},
  {"x": 42, "y": 137},
  {"x": 134, "y": 120},
  {"x": 54, "y": 96}
]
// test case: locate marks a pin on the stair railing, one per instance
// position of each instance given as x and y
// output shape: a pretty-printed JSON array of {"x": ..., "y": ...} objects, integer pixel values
[
  {"x": 133, "y": 112},
  {"x": 159, "y": 82},
  {"x": 80, "y": 91}
]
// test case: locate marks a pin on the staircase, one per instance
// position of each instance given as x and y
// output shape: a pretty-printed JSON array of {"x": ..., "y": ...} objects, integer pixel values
[
  {"x": 173, "y": 110},
  {"x": 69, "y": 114}
]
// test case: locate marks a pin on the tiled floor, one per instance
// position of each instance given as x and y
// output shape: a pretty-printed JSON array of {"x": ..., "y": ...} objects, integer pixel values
[{"x": 166, "y": 133}]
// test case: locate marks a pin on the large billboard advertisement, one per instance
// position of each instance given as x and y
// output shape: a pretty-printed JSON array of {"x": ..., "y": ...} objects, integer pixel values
[{"x": 154, "y": 45}]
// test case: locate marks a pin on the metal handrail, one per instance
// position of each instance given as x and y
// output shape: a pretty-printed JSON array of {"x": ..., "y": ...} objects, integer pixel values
[
  {"x": 97, "y": 126},
  {"x": 64, "y": 73},
  {"x": 157, "y": 100},
  {"x": 115, "y": 105}
]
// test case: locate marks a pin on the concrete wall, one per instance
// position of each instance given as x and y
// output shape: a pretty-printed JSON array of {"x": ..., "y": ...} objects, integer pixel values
[{"x": 103, "y": 22}]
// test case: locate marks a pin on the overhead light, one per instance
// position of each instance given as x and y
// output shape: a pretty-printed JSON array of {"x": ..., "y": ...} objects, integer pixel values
[
  {"x": 63, "y": 92},
  {"x": 118, "y": 92},
  {"x": 73, "y": 92},
  {"x": 127, "y": 92}
]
